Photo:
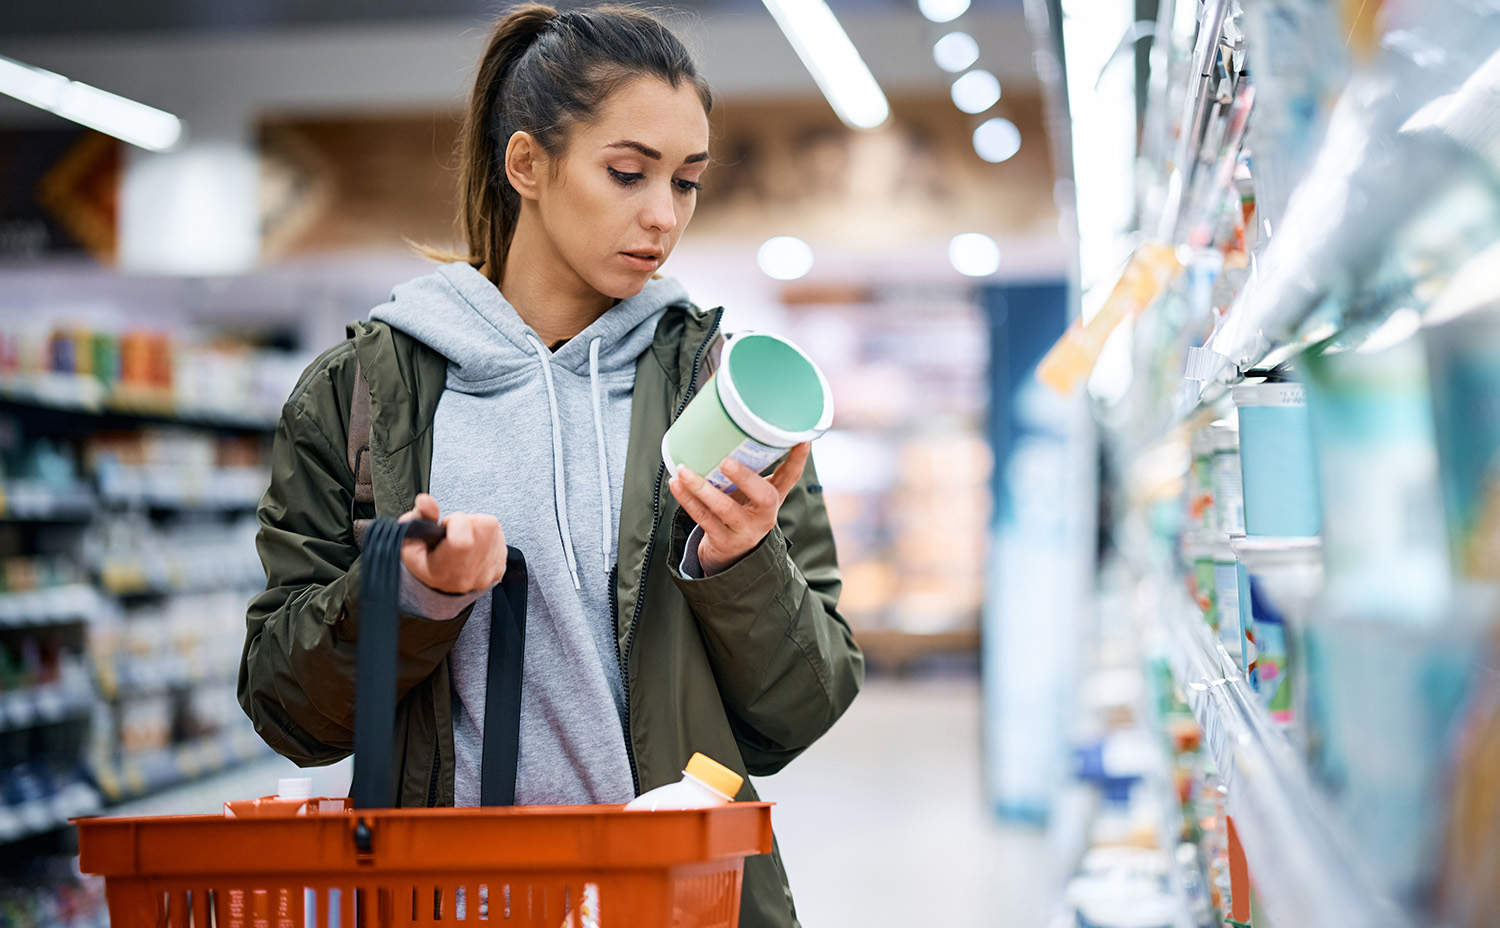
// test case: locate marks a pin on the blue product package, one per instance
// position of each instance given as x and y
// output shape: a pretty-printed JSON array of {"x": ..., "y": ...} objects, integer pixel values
[{"x": 1277, "y": 464}]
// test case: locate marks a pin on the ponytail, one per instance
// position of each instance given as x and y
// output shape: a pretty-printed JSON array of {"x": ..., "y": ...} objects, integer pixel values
[{"x": 544, "y": 72}]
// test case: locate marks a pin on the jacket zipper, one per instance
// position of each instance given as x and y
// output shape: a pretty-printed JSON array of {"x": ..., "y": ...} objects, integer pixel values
[
  {"x": 432, "y": 783},
  {"x": 640, "y": 597}
]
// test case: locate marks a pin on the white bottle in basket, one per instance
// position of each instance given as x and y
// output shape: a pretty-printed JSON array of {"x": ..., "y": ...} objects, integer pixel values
[{"x": 705, "y": 783}]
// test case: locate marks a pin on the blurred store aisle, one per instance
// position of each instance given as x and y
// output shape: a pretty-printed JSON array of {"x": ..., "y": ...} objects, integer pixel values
[{"x": 882, "y": 823}]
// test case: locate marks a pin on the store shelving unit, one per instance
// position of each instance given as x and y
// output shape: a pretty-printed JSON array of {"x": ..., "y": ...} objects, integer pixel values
[
  {"x": 1311, "y": 233},
  {"x": 1305, "y": 867},
  {"x": 55, "y": 520},
  {"x": 68, "y": 394}
]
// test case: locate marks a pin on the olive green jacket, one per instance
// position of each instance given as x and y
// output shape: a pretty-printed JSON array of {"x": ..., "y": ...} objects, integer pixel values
[{"x": 749, "y": 666}]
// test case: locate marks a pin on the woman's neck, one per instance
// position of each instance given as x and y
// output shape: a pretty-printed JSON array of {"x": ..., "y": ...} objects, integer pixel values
[{"x": 546, "y": 293}]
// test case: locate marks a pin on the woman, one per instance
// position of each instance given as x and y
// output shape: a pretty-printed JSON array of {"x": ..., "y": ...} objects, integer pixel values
[{"x": 520, "y": 395}]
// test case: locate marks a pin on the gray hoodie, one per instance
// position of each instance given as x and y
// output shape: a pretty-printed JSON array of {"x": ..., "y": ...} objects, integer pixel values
[{"x": 537, "y": 439}]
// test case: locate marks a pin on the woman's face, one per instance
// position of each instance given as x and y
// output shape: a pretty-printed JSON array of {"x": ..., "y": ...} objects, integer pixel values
[{"x": 615, "y": 204}]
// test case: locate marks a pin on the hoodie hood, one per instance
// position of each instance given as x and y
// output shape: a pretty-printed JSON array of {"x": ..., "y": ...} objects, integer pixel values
[{"x": 459, "y": 313}]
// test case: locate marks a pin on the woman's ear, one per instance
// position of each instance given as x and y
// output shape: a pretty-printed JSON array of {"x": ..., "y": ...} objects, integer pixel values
[{"x": 524, "y": 162}]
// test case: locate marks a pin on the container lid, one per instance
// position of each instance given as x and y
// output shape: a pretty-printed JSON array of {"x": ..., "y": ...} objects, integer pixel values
[
  {"x": 783, "y": 423},
  {"x": 1269, "y": 394},
  {"x": 714, "y": 775}
]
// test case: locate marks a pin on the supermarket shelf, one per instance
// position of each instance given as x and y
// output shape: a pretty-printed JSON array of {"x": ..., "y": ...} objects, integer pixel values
[
  {"x": 36, "y": 501},
  {"x": 150, "y": 773},
  {"x": 39, "y": 816},
  {"x": 86, "y": 396},
  {"x": 146, "y": 677},
  {"x": 1305, "y": 867},
  {"x": 48, "y": 704},
  {"x": 61, "y": 605},
  {"x": 183, "y": 503},
  {"x": 137, "y": 580}
]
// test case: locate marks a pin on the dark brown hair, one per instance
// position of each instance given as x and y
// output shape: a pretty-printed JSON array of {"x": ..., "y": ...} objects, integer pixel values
[{"x": 544, "y": 72}]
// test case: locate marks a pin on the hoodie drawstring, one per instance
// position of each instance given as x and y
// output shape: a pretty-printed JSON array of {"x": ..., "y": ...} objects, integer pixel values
[
  {"x": 604, "y": 493},
  {"x": 557, "y": 462}
]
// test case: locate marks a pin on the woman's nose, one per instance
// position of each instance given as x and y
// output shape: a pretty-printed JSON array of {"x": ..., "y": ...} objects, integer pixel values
[{"x": 660, "y": 214}]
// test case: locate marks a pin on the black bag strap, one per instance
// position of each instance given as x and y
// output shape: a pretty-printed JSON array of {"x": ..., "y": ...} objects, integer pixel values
[
  {"x": 375, "y": 666},
  {"x": 374, "y": 784},
  {"x": 502, "y": 693}
]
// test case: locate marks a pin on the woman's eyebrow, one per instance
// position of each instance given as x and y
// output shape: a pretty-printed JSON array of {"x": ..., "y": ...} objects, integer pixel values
[{"x": 652, "y": 153}]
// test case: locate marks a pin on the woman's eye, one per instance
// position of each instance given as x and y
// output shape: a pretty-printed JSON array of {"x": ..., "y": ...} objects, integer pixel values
[
  {"x": 625, "y": 178},
  {"x": 687, "y": 186}
]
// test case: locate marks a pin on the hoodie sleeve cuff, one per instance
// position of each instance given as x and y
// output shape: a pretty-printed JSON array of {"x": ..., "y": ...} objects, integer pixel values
[
  {"x": 690, "y": 567},
  {"x": 419, "y": 599}
]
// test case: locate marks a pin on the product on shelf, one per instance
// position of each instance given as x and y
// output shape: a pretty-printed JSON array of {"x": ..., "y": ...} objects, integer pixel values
[
  {"x": 143, "y": 370},
  {"x": 50, "y": 892},
  {"x": 1277, "y": 464}
]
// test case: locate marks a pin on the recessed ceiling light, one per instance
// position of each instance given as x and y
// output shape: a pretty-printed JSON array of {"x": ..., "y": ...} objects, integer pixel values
[
  {"x": 974, "y": 254},
  {"x": 955, "y": 51},
  {"x": 997, "y": 139},
  {"x": 785, "y": 257},
  {"x": 942, "y": 11},
  {"x": 976, "y": 91}
]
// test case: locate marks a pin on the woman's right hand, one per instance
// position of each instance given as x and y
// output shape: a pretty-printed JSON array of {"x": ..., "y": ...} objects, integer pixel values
[{"x": 471, "y": 557}]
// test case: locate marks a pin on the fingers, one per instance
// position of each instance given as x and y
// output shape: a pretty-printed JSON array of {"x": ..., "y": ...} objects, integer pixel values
[
  {"x": 470, "y": 557},
  {"x": 707, "y": 499},
  {"x": 426, "y": 507},
  {"x": 791, "y": 470}
]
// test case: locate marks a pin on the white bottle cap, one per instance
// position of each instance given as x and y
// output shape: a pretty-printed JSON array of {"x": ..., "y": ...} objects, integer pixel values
[{"x": 294, "y": 788}]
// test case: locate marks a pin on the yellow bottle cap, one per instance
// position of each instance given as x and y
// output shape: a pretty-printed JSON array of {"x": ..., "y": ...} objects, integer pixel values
[{"x": 714, "y": 774}]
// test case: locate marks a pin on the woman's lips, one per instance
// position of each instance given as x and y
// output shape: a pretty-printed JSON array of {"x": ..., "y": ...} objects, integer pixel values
[{"x": 641, "y": 262}]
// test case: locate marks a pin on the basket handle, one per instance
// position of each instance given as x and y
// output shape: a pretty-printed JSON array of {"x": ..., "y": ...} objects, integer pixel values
[{"x": 374, "y": 784}]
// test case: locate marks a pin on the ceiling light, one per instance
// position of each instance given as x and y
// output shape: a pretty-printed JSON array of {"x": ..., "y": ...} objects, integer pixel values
[
  {"x": 127, "y": 120},
  {"x": 997, "y": 139},
  {"x": 974, "y": 254},
  {"x": 832, "y": 60},
  {"x": 976, "y": 91},
  {"x": 785, "y": 257},
  {"x": 942, "y": 11},
  {"x": 955, "y": 51}
]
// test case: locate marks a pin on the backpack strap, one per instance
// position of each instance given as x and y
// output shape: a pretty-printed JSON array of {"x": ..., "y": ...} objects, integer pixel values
[{"x": 359, "y": 453}]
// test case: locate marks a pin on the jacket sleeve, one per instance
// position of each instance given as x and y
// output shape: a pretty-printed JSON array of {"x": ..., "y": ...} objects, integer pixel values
[
  {"x": 785, "y": 660},
  {"x": 296, "y": 677}
]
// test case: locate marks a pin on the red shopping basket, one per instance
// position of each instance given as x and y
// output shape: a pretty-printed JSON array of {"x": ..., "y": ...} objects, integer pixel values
[
  {"x": 524, "y": 866},
  {"x": 351, "y": 863}
]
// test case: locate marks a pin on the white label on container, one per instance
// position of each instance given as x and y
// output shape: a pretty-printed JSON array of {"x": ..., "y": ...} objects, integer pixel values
[
  {"x": 1230, "y": 634},
  {"x": 753, "y": 455},
  {"x": 1229, "y": 492}
]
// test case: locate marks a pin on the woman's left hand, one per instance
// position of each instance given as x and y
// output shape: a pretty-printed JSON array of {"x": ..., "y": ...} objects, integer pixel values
[{"x": 734, "y": 524}]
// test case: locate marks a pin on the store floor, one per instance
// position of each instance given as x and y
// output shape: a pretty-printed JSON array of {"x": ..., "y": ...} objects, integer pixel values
[{"x": 881, "y": 823}]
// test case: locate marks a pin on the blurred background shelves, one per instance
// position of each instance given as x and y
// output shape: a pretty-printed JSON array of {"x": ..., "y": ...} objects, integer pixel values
[
  {"x": 45, "y": 704},
  {"x": 137, "y": 776},
  {"x": 59, "y": 605},
  {"x": 36, "y": 501}
]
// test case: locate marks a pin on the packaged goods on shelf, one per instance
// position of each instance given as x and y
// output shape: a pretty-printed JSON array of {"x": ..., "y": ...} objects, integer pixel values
[
  {"x": 133, "y": 555},
  {"x": 50, "y": 892},
  {"x": 178, "y": 468},
  {"x": 146, "y": 371}
]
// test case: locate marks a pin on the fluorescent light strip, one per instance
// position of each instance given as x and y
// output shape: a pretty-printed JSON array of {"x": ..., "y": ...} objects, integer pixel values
[
  {"x": 832, "y": 60},
  {"x": 127, "y": 120}
]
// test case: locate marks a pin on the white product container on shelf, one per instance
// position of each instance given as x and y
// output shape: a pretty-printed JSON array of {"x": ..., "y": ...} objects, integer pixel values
[{"x": 705, "y": 784}]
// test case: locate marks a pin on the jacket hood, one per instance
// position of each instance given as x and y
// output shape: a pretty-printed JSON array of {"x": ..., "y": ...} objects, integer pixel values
[{"x": 459, "y": 313}]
